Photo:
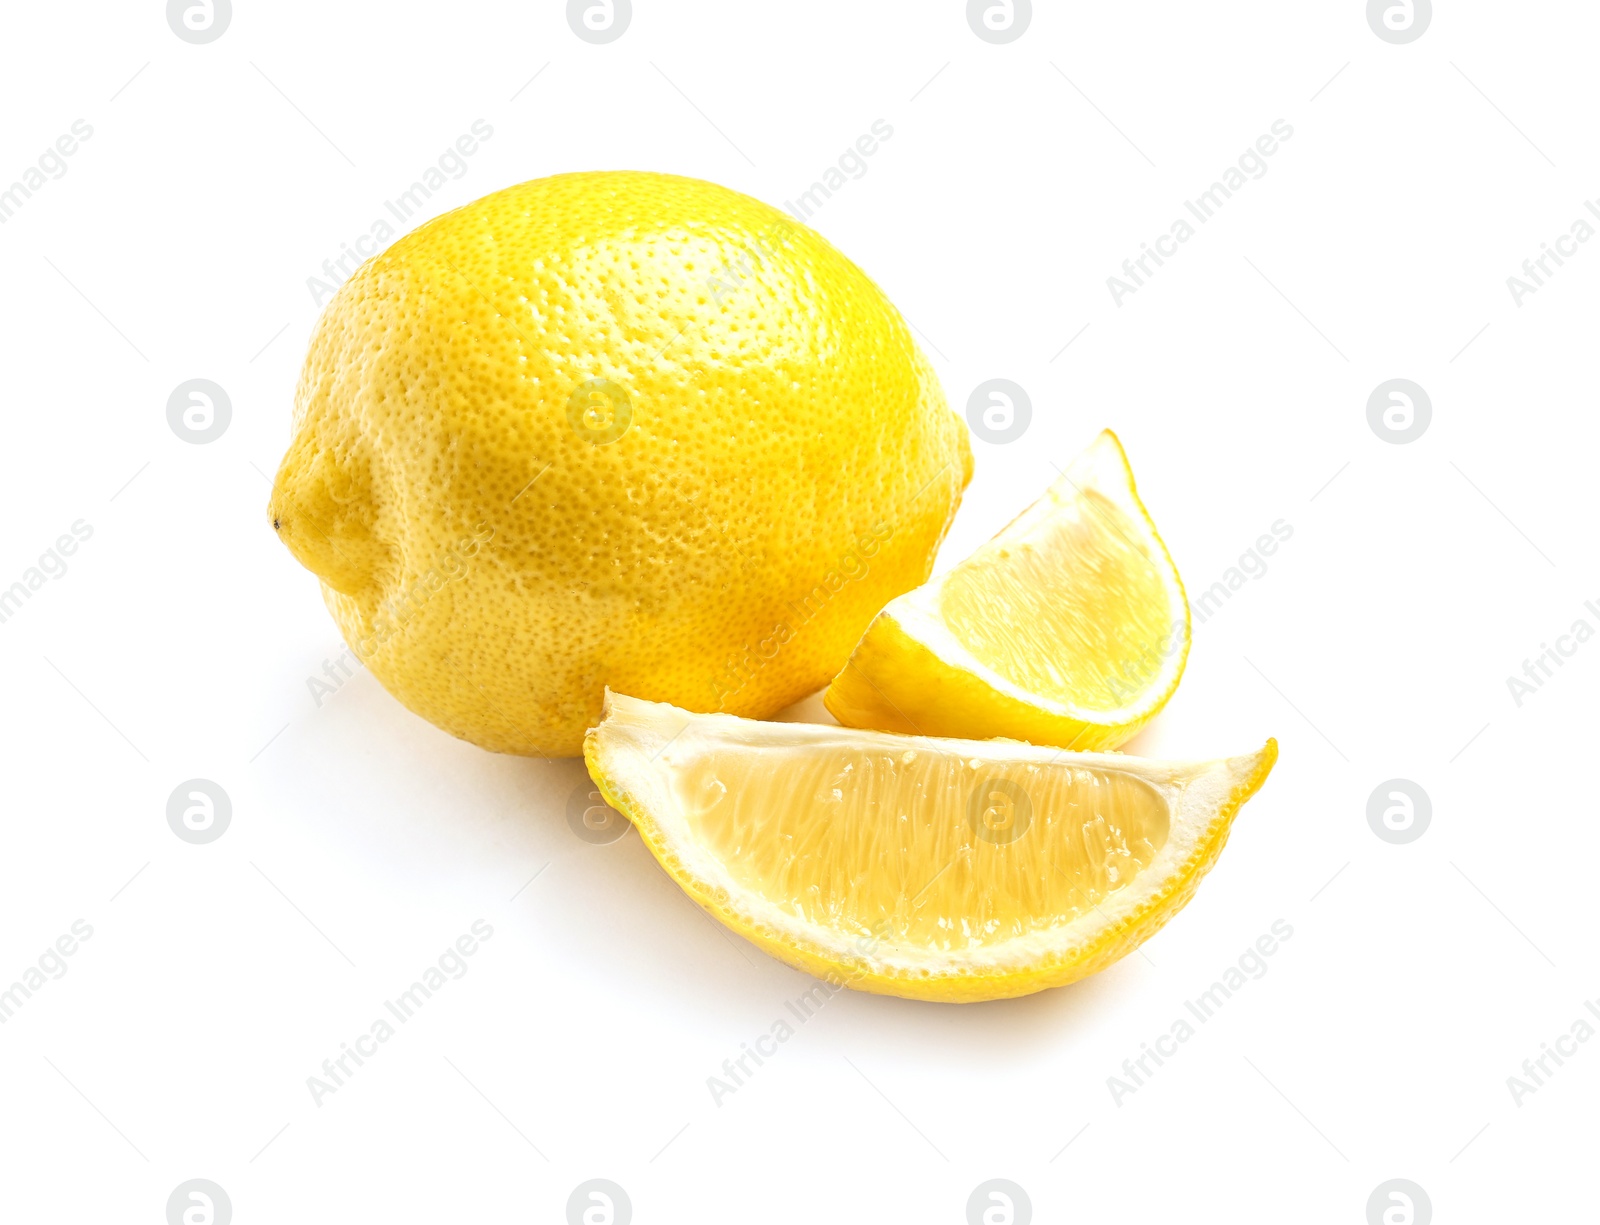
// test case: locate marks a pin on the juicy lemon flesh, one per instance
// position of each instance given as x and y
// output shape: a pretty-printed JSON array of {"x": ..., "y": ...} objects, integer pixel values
[
  {"x": 1069, "y": 628},
  {"x": 931, "y": 868},
  {"x": 1070, "y": 612},
  {"x": 920, "y": 847}
]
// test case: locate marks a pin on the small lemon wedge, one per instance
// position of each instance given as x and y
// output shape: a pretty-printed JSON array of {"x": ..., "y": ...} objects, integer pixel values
[
  {"x": 954, "y": 870},
  {"x": 1069, "y": 628}
]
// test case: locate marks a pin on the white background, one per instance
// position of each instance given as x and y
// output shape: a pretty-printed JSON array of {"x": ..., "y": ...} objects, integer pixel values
[{"x": 363, "y": 841}]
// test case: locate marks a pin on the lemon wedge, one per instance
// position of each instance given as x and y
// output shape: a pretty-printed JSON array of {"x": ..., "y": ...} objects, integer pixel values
[
  {"x": 1069, "y": 628},
  {"x": 934, "y": 869}
]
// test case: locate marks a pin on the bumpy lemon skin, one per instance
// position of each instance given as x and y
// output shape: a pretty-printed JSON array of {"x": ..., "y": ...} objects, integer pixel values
[{"x": 788, "y": 465}]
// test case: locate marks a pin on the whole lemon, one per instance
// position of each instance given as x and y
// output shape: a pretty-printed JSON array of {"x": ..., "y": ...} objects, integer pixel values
[{"x": 612, "y": 429}]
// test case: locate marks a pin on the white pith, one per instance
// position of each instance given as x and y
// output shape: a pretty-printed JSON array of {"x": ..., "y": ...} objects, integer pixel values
[
  {"x": 638, "y": 746},
  {"x": 1103, "y": 469}
]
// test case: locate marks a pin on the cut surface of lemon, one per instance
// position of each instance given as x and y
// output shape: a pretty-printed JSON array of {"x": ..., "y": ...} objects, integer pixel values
[
  {"x": 934, "y": 869},
  {"x": 1069, "y": 628}
]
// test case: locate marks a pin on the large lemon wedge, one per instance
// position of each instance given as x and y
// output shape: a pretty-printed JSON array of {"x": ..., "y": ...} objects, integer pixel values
[
  {"x": 934, "y": 869},
  {"x": 1068, "y": 628}
]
